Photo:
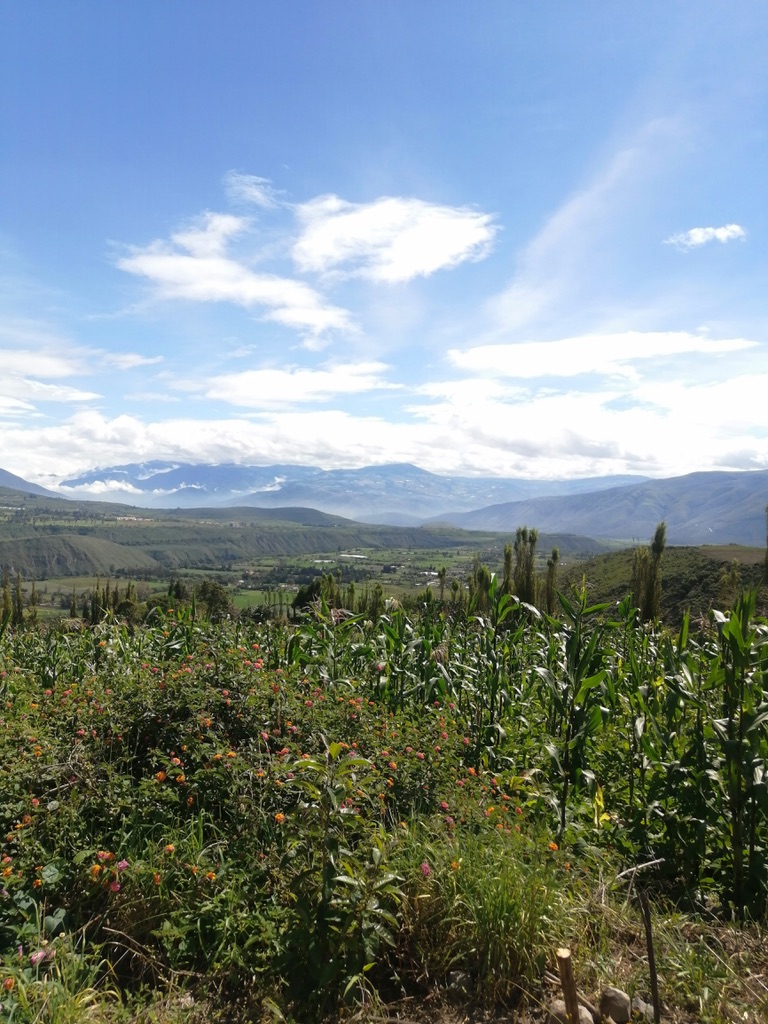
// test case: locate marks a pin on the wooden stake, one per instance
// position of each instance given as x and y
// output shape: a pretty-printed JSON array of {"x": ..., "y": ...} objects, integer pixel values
[
  {"x": 568, "y": 982},
  {"x": 651, "y": 957}
]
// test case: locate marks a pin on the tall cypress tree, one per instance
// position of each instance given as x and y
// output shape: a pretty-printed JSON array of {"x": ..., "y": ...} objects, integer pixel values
[
  {"x": 17, "y": 615},
  {"x": 550, "y": 590},
  {"x": 646, "y": 576},
  {"x": 525, "y": 564},
  {"x": 7, "y": 603}
]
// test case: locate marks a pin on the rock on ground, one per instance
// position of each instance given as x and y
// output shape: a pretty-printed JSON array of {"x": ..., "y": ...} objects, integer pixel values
[
  {"x": 616, "y": 1004},
  {"x": 557, "y": 1013}
]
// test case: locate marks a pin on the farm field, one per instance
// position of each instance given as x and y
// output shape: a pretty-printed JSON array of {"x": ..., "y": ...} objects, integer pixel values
[{"x": 315, "y": 820}]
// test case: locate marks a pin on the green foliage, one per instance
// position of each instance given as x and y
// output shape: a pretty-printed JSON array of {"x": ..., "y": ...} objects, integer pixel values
[{"x": 316, "y": 811}]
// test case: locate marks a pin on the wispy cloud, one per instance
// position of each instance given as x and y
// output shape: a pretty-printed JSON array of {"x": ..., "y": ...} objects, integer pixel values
[
  {"x": 130, "y": 360},
  {"x": 36, "y": 390},
  {"x": 697, "y": 237},
  {"x": 292, "y": 386},
  {"x": 18, "y": 361},
  {"x": 195, "y": 266},
  {"x": 389, "y": 240},
  {"x": 10, "y": 407},
  {"x": 249, "y": 188},
  {"x": 601, "y": 354},
  {"x": 560, "y": 263}
]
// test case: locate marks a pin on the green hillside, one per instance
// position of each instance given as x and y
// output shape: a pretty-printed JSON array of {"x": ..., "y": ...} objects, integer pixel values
[
  {"x": 694, "y": 579},
  {"x": 48, "y": 537}
]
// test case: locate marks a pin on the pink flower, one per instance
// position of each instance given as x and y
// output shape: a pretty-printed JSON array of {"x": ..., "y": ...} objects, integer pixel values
[
  {"x": 426, "y": 870},
  {"x": 114, "y": 886},
  {"x": 122, "y": 865}
]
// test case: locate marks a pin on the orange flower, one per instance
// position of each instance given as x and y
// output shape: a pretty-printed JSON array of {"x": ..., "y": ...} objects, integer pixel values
[
  {"x": 279, "y": 817},
  {"x": 169, "y": 848},
  {"x": 552, "y": 846},
  {"x": 156, "y": 878},
  {"x": 160, "y": 776},
  {"x": 211, "y": 876},
  {"x": 8, "y": 984},
  {"x": 95, "y": 870}
]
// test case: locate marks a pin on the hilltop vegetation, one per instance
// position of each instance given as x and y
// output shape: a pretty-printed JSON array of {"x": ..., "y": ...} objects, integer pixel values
[{"x": 694, "y": 579}]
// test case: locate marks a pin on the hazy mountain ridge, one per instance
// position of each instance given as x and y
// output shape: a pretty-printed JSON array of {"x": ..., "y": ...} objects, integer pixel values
[
  {"x": 700, "y": 508},
  {"x": 17, "y": 484},
  {"x": 391, "y": 494}
]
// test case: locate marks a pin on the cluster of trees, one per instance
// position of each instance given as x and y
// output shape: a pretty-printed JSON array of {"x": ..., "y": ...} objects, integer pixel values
[
  {"x": 330, "y": 589},
  {"x": 108, "y": 600},
  {"x": 519, "y": 576}
]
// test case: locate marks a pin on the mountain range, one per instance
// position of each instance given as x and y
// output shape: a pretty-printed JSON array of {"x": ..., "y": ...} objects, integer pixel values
[
  {"x": 700, "y": 508},
  {"x": 395, "y": 494}
]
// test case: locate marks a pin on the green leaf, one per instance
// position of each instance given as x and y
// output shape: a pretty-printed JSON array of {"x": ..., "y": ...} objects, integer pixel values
[{"x": 50, "y": 875}]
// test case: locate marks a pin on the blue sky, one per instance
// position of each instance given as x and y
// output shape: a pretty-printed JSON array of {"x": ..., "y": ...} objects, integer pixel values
[{"x": 508, "y": 238}]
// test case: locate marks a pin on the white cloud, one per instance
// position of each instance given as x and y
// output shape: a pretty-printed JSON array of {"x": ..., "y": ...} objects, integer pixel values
[
  {"x": 17, "y": 362},
  {"x": 210, "y": 236},
  {"x": 389, "y": 240},
  {"x": 589, "y": 353},
  {"x": 701, "y": 236},
  {"x": 251, "y": 189},
  {"x": 101, "y": 487},
  {"x": 10, "y": 406},
  {"x": 267, "y": 388},
  {"x": 478, "y": 428},
  {"x": 195, "y": 267},
  {"x": 24, "y": 387},
  {"x": 130, "y": 360}
]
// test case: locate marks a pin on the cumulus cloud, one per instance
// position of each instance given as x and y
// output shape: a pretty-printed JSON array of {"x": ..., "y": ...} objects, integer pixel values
[
  {"x": 697, "y": 237},
  {"x": 589, "y": 353},
  {"x": 292, "y": 386},
  {"x": 389, "y": 240},
  {"x": 676, "y": 426},
  {"x": 195, "y": 266}
]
